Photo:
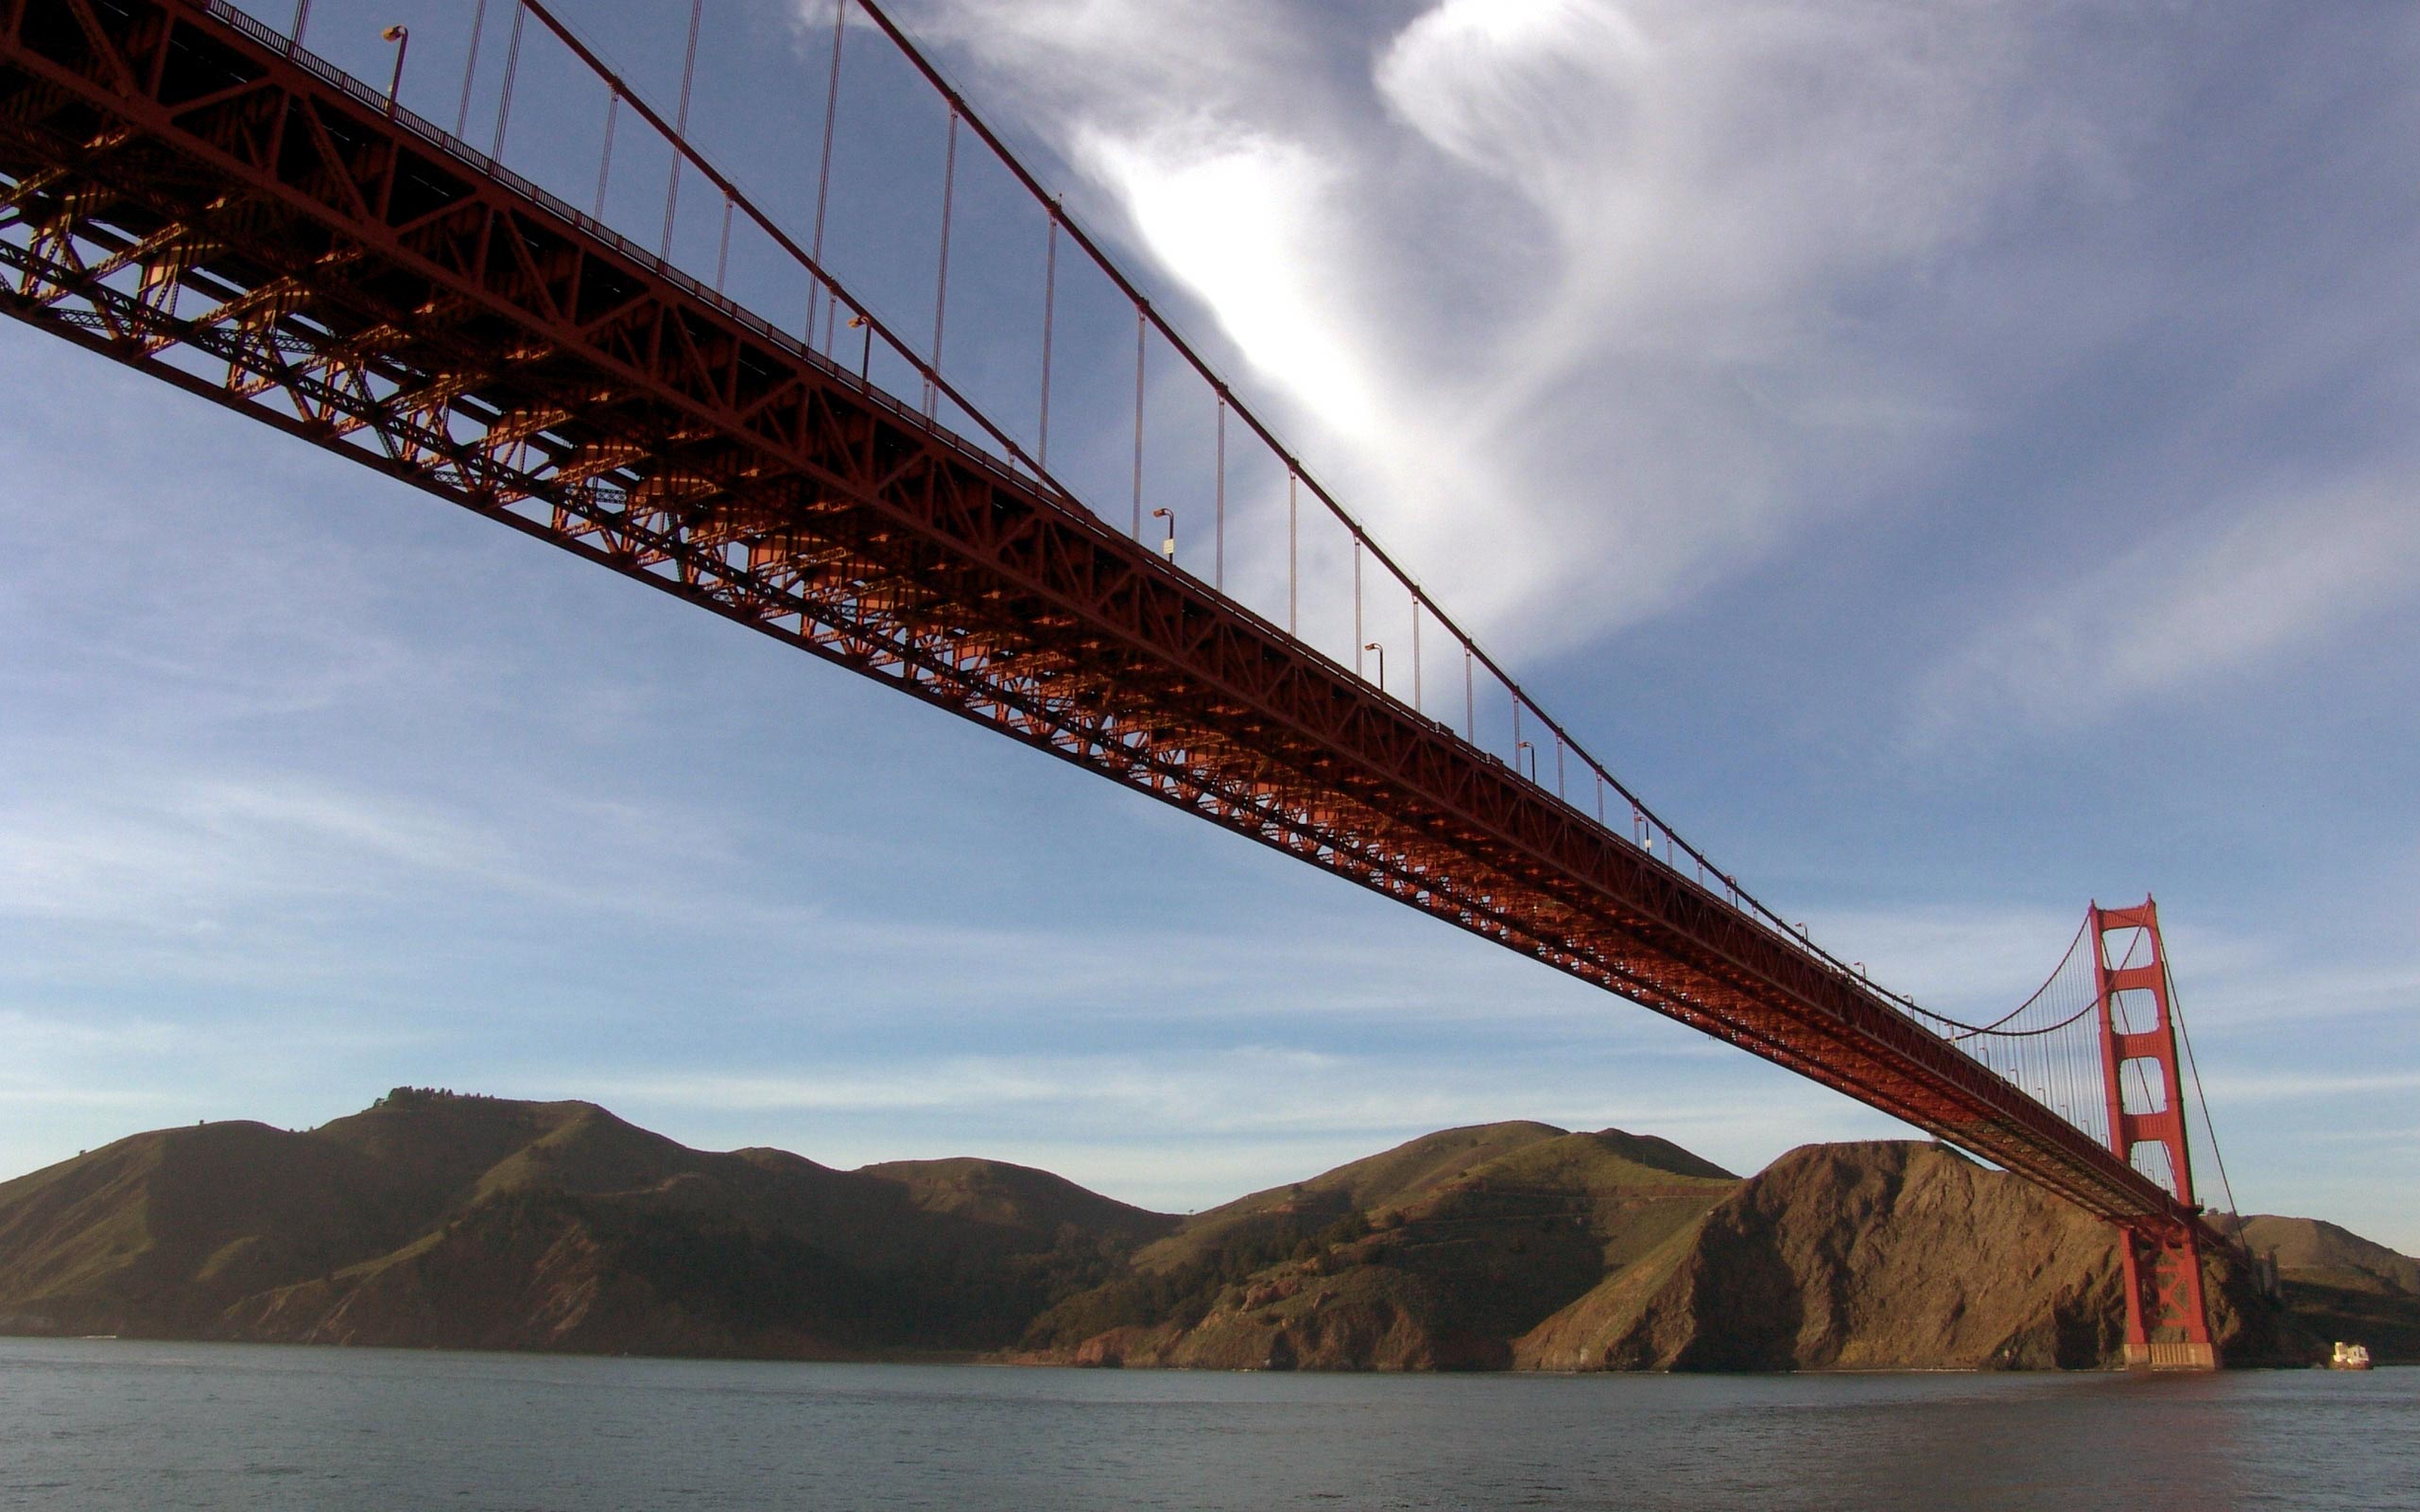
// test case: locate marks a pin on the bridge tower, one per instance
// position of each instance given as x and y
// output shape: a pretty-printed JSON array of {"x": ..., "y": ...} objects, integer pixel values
[{"x": 2168, "y": 1324}]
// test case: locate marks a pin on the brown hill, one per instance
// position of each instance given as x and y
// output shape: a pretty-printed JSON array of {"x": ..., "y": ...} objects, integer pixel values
[
  {"x": 436, "y": 1220},
  {"x": 2343, "y": 1285},
  {"x": 1520, "y": 1244},
  {"x": 1432, "y": 1255},
  {"x": 432, "y": 1219}
]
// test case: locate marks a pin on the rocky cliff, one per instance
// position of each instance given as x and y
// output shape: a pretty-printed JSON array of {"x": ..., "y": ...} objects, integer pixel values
[{"x": 1885, "y": 1255}]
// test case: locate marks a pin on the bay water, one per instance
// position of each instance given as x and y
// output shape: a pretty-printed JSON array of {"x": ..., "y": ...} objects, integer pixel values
[{"x": 121, "y": 1424}]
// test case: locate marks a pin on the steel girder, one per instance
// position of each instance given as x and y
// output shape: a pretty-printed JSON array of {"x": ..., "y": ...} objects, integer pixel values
[{"x": 186, "y": 197}]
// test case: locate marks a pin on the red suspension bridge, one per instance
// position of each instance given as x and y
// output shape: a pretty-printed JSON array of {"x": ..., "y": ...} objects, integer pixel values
[{"x": 193, "y": 192}]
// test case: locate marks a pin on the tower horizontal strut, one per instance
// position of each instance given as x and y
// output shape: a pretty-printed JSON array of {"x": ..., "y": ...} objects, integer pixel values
[{"x": 183, "y": 192}]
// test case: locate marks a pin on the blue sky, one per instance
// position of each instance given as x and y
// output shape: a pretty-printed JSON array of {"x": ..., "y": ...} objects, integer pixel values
[{"x": 1955, "y": 460}]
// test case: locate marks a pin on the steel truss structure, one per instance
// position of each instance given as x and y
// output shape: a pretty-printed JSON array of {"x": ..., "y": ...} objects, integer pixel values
[{"x": 183, "y": 191}]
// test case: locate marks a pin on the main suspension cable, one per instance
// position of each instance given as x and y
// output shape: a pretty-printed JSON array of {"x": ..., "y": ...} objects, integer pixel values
[
  {"x": 2217, "y": 1158},
  {"x": 1993, "y": 1028}
]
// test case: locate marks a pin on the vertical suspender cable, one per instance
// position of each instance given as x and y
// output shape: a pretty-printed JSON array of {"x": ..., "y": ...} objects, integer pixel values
[
  {"x": 823, "y": 185},
  {"x": 1357, "y": 605},
  {"x": 1219, "y": 529},
  {"x": 1049, "y": 319},
  {"x": 1142, "y": 330},
  {"x": 1293, "y": 513},
  {"x": 2060, "y": 1079},
  {"x": 511, "y": 67},
  {"x": 722, "y": 253},
  {"x": 680, "y": 128},
  {"x": 294, "y": 33},
  {"x": 2068, "y": 1075},
  {"x": 605, "y": 158},
  {"x": 941, "y": 277},
  {"x": 470, "y": 68}
]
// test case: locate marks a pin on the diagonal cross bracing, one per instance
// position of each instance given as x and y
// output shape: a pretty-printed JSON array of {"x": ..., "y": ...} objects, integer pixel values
[{"x": 182, "y": 193}]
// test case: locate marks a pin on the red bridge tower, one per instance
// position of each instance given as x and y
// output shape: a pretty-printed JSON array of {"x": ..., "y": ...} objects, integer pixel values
[{"x": 2168, "y": 1326}]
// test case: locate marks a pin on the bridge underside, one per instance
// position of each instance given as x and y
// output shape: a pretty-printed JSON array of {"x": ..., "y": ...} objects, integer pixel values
[{"x": 180, "y": 195}]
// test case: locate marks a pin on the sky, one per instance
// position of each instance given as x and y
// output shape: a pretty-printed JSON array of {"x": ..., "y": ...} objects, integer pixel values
[{"x": 1955, "y": 460}]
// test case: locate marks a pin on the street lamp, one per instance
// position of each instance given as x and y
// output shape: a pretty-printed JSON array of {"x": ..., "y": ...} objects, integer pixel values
[
  {"x": 1520, "y": 746},
  {"x": 1382, "y": 663},
  {"x": 1168, "y": 547},
  {"x": 865, "y": 358},
  {"x": 402, "y": 38}
]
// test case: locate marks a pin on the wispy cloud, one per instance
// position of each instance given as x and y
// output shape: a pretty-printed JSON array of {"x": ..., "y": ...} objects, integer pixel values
[
  {"x": 2237, "y": 591},
  {"x": 1645, "y": 234},
  {"x": 156, "y": 847}
]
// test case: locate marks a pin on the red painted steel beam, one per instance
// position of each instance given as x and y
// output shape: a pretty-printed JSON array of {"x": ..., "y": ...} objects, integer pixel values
[{"x": 183, "y": 196}]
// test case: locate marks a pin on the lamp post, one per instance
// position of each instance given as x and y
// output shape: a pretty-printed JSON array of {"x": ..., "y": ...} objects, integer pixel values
[
  {"x": 402, "y": 38},
  {"x": 1168, "y": 547},
  {"x": 865, "y": 358},
  {"x": 1520, "y": 746},
  {"x": 1374, "y": 645}
]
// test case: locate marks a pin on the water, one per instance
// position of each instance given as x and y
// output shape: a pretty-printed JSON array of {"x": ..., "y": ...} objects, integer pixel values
[{"x": 156, "y": 1426}]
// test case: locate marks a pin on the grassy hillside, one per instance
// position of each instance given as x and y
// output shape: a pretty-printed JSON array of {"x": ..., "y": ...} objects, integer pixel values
[
  {"x": 430, "y": 1218},
  {"x": 1437, "y": 1253}
]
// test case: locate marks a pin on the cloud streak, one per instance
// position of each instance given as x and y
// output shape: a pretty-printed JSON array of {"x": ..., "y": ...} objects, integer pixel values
[{"x": 2205, "y": 599}]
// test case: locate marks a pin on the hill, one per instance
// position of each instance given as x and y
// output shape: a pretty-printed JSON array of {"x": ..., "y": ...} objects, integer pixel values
[
  {"x": 2343, "y": 1285},
  {"x": 435, "y": 1219},
  {"x": 1431, "y": 1255},
  {"x": 431, "y": 1219},
  {"x": 1519, "y": 1244},
  {"x": 1884, "y": 1255}
]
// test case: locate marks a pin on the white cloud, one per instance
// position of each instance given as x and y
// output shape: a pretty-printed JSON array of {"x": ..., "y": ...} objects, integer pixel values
[
  {"x": 1203, "y": 195},
  {"x": 1642, "y": 239}
]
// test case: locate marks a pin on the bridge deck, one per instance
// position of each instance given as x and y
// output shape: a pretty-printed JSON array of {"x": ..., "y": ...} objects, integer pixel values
[{"x": 183, "y": 194}]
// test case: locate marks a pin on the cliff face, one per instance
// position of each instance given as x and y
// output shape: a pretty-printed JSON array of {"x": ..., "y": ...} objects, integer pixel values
[
  {"x": 1885, "y": 1255},
  {"x": 483, "y": 1223}
]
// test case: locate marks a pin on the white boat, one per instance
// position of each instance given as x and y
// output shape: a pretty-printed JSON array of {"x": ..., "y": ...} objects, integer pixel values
[{"x": 2350, "y": 1357}]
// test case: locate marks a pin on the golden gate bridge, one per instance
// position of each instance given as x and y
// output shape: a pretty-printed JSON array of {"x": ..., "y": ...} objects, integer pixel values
[{"x": 191, "y": 192}]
